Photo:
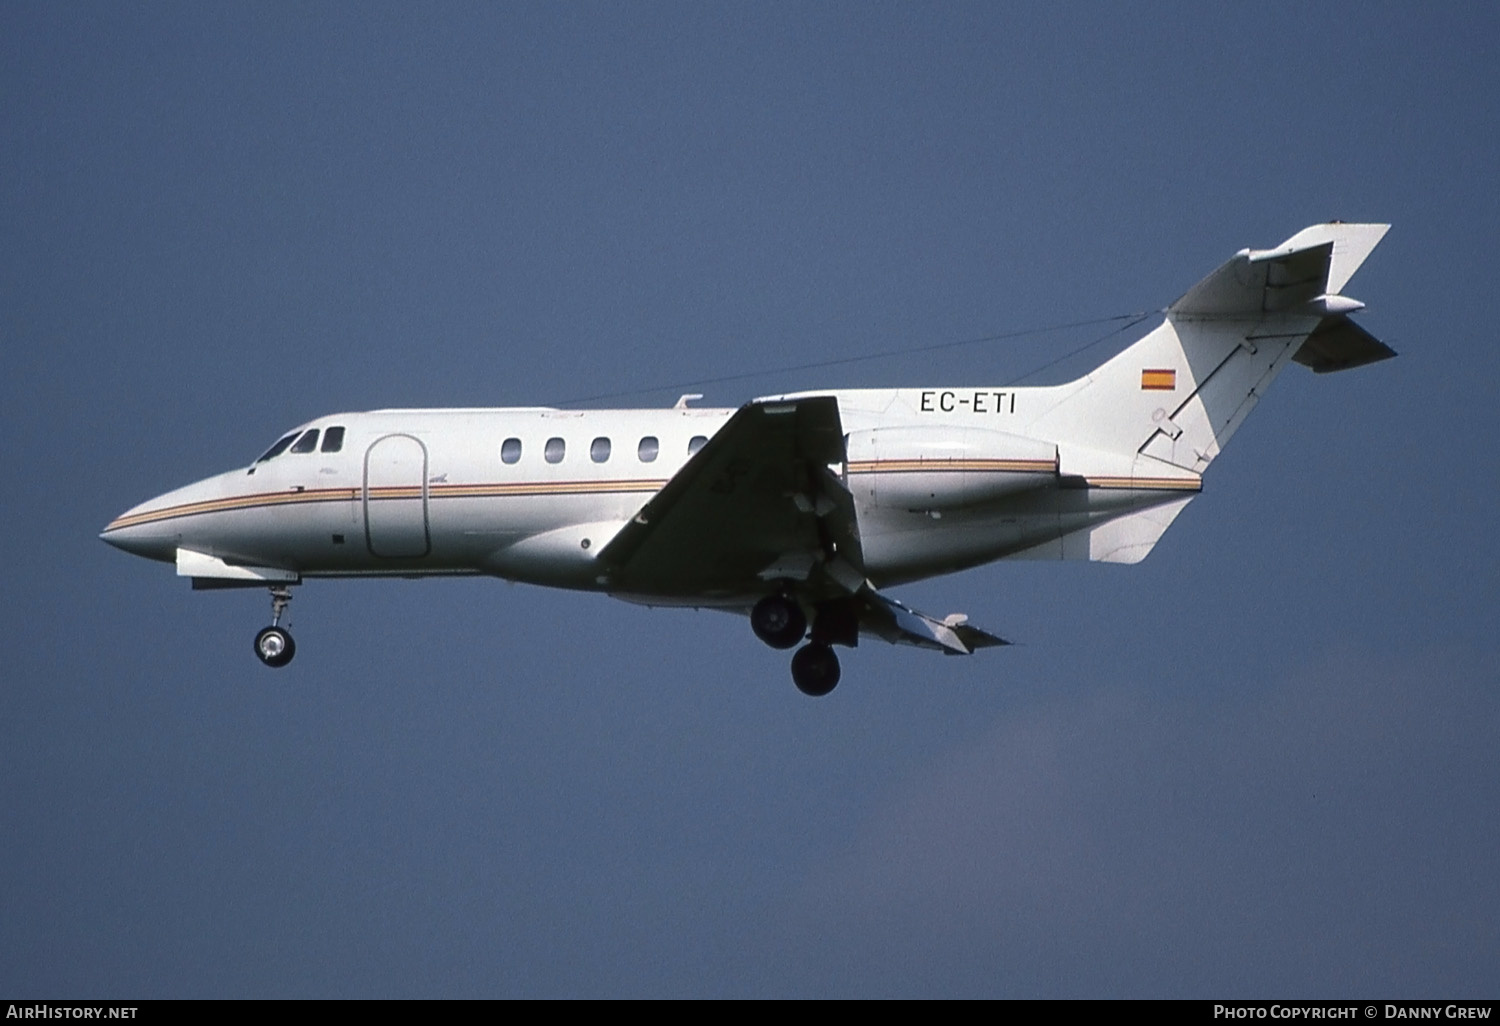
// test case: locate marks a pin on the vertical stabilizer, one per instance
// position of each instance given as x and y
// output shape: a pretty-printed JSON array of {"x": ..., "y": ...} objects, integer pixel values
[{"x": 1179, "y": 394}]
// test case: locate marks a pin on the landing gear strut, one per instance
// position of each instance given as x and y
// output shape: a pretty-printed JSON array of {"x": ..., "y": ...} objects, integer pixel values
[
  {"x": 815, "y": 669},
  {"x": 274, "y": 644}
]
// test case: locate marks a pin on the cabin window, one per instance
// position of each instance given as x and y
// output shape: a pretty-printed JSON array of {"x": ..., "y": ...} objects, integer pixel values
[
  {"x": 279, "y": 448},
  {"x": 553, "y": 451},
  {"x": 599, "y": 450},
  {"x": 333, "y": 439},
  {"x": 648, "y": 449},
  {"x": 308, "y": 442},
  {"x": 510, "y": 450},
  {"x": 697, "y": 442}
]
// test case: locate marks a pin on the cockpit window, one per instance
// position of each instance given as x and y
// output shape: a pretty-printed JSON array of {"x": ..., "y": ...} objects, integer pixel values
[
  {"x": 279, "y": 448},
  {"x": 308, "y": 442},
  {"x": 333, "y": 439}
]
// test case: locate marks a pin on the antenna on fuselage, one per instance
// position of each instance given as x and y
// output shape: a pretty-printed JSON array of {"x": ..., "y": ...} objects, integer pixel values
[{"x": 682, "y": 402}]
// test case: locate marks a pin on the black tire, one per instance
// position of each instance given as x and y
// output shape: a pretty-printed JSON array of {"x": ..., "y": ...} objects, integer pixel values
[
  {"x": 274, "y": 646},
  {"x": 815, "y": 670},
  {"x": 778, "y": 621}
]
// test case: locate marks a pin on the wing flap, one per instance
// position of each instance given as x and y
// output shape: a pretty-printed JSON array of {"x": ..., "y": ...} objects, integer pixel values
[{"x": 899, "y": 624}]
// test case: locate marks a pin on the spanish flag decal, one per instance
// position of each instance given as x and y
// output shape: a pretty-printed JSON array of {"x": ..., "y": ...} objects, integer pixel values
[{"x": 1158, "y": 380}]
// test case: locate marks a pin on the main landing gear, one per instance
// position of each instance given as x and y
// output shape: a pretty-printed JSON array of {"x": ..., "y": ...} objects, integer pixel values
[
  {"x": 779, "y": 621},
  {"x": 815, "y": 669},
  {"x": 274, "y": 644}
]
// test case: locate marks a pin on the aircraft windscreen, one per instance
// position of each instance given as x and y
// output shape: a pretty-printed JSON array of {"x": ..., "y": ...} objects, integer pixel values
[{"x": 279, "y": 448}]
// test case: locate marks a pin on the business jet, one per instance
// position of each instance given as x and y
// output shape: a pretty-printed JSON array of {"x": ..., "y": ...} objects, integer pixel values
[{"x": 797, "y": 509}]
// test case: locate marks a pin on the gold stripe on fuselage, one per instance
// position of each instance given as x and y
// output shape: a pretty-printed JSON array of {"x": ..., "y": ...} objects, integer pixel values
[
  {"x": 1189, "y": 484},
  {"x": 940, "y": 466},
  {"x": 1181, "y": 484},
  {"x": 236, "y": 502},
  {"x": 267, "y": 500}
]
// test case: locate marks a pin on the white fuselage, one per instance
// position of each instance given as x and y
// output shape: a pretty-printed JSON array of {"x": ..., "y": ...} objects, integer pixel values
[{"x": 941, "y": 480}]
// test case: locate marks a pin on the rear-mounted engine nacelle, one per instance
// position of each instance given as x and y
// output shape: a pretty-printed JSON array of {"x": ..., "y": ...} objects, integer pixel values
[{"x": 944, "y": 467}]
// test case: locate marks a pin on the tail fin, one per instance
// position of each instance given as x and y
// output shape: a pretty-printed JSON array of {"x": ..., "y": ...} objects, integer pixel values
[{"x": 1167, "y": 405}]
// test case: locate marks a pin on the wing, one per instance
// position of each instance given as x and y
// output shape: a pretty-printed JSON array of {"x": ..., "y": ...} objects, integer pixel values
[
  {"x": 760, "y": 508},
  {"x": 758, "y": 503}
]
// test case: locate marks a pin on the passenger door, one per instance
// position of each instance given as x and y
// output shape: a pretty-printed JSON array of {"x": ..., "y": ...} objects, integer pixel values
[{"x": 395, "y": 498}]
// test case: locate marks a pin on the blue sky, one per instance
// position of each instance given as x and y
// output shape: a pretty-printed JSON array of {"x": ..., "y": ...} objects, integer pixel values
[{"x": 1261, "y": 763}]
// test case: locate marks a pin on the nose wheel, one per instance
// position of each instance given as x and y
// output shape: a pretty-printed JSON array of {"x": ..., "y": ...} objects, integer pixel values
[{"x": 274, "y": 645}]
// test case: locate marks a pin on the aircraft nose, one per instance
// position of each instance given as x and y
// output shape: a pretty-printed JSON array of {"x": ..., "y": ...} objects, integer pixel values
[
  {"x": 158, "y": 527},
  {"x": 141, "y": 531}
]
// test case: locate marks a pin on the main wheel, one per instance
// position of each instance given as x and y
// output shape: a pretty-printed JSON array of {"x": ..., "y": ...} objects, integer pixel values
[
  {"x": 275, "y": 646},
  {"x": 778, "y": 621},
  {"x": 815, "y": 670}
]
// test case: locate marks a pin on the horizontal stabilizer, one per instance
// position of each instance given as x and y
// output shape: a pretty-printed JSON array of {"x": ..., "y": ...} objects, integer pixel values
[
  {"x": 1339, "y": 344},
  {"x": 1315, "y": 263},
  {"x": 901, "y": 625},
  {"x": 1352, "y": 245}
]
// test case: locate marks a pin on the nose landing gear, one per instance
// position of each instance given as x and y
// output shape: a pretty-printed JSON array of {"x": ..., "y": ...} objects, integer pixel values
[{"x": 274, "y": 644}]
